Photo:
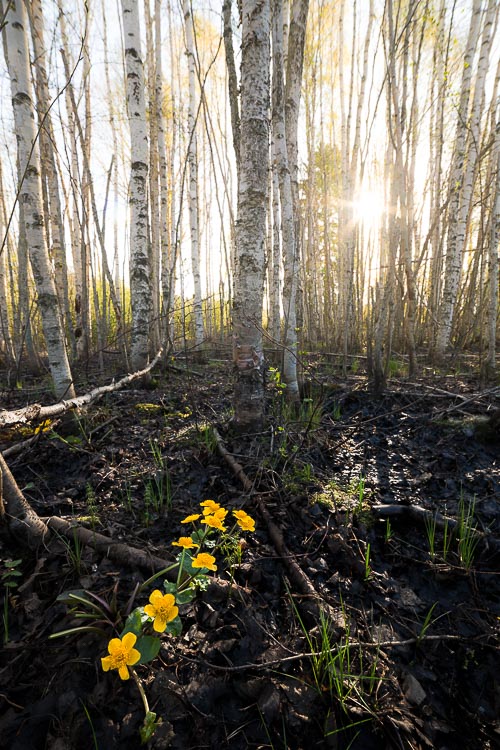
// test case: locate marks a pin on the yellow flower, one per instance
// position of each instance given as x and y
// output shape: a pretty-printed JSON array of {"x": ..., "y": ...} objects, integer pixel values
[
  {"x": 220, "y": 513},
  {"x": 186, "y": 542},
  {"x": 214, "y": 523},
  {"x": 204, "y": 560},
  {"x": 162, "y": 608},
  {"x": 239, "y": 514},
  {"x": 244, "y": 521},
  {"x": 210, "y": 506},
  {"x": 122, "y": 654},
  {"x": 193, "y": 517}
]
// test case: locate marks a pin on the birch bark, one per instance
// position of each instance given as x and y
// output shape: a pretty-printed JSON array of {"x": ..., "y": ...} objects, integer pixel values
[
  {"x": 251, "y": 222},
  {"x": 193, "y": 175},
  {"x": 30, "y": 195},
  {"x": 453, "y": 264},
  {"x": 290, "y": 260},
  {"x": 140, "y": 287},
  {"x": 55, "y": 225}
]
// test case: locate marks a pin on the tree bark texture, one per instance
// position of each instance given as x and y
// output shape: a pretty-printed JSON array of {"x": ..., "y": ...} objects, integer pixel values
[
  {"x": 30, "y": 195},
  {"x": 140, "y": 283},
  {"x": 248, "y": 355}
]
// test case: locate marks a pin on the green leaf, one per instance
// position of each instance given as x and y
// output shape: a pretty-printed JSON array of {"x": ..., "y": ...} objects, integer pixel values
[
  {"x": 71, "y": 598},
  {"x": 186, "y": 596},
  {"x": 174, "y": 627},
  {"x": 197, "y": 536},
  {"x": 148, "y": 727},
  {"x": 170, "y": 588},
  {"x": 148, "y": 646},
  {"x": 133, "y": 623}
]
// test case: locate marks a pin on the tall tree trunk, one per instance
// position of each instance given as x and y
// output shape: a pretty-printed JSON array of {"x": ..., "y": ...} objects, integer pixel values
[
  {"x": 251, "y": 223},
  {"x": 30, "y": 194},
  {"x": 232, "y": 81},
  {"x": 453, "y": 264},
  {"x": 290, "y": 260},
  {"x": 54, "y": 220},
  {"x": 193, "y": 175},
  {"x": 154, "y": 113},
  {"x": 140, "y": 286}
]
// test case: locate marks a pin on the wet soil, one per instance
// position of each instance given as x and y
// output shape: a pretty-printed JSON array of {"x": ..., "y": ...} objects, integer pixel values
[{"x": 408, "y": 659}]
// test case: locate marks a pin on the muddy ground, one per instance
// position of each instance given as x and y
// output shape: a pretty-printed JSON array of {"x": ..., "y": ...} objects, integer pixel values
[{"x": 408, "y": 653}]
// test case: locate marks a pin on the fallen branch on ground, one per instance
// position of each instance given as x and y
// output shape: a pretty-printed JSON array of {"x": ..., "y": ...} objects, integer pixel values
[{"x": 39, "y": 412}]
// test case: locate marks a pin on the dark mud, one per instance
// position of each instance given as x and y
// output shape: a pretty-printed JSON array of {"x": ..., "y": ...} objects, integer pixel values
[{"x": 411, "y": 659}]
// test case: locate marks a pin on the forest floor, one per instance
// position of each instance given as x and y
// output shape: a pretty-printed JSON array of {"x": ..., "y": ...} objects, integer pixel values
[{"x": 410, "y": 656}]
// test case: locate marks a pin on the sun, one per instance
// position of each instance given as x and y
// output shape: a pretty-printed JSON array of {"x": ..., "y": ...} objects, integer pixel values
[{"x": 368, "y": 208}]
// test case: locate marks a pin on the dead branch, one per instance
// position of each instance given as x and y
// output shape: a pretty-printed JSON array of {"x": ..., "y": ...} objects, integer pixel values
[
  {"x": 21, "y": 519},
  {"x": 38, "y": 412}
]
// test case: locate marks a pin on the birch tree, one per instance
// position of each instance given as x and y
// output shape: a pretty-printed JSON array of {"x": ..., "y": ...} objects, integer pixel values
[
  {"x": 30, "y": 195},
  {"x": 53, "y": 212},
  {"x": 280, "y": 153},
  {"x": 193, "y": 174},
  {"x": 453, "y": 265},
  {"x": 140, "y": 288},
  {"x": 248, "y": 355}
]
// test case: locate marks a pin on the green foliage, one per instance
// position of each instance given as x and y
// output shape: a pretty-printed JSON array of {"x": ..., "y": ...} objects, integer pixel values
[{"x": 467, "y": 533}]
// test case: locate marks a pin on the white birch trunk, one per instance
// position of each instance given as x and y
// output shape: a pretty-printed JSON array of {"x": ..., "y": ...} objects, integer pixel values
[
  {"x": 30, "y": 194},
  {"x": 193, "y": 176},
  {"x": 154, "y": 109},
  {"x": 453, "y": 264},
  {"x": 251, "y": 223},
  {"x": 140, "y": 288},
  {"x": 55, "y": 225},
  {"x": 289, "y": 247},
  {"x": 494, "y": 244},
  {"x": 163, "y": 178}
]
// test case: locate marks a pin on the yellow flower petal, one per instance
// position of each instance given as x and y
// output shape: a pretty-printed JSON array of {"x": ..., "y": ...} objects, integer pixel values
[
  {"x": 204, "y": 560},
  {"x": 123, "y": 672},
  {"x": 134, "y": 657},
  {"x": 192, "y": 517},
  {"x": 129, "y": 640},
  {"x": 155, "y": 597},
  {"x": 115, "y": 646},
  {"x": 210, "y": 506},
  {"x": 107, "y": 663},
  {"x": 159, "y": 625},
  {"x": 186, "y": 542}
]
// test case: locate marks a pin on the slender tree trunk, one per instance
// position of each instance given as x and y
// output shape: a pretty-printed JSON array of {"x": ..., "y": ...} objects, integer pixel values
[
  {"x": 290, "y": 260},
  {"x": 232, "y": 80},
  {"x": 140, "y": 286},
  {"x": 494, "y": 244},
  {"x": 193, "y": 175},
  {"x": 453, "y": 265},
  {"x": 55, "y": 225},
  {"x": 30, "y": 194},
  {"x": 251, "y": 223},
  {"x": 154, "y": 110}
]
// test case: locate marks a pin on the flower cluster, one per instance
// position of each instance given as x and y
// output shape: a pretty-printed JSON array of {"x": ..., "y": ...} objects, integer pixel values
[{"x": 136, "y": 645}]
